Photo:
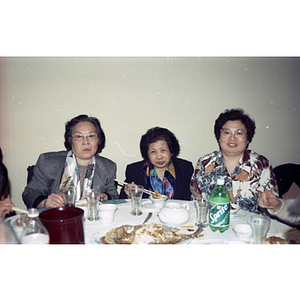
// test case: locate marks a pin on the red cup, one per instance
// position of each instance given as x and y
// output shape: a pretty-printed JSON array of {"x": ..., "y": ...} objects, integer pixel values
[{"x": 64, "y": 224}]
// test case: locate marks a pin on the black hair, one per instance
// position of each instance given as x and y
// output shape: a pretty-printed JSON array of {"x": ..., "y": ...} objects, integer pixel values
[
  {"x": 4, "y": 182},
  {"x": 235, "y": 115},
  {"x": 84, "y": 118},
  {"x": 159, "y": 134}
]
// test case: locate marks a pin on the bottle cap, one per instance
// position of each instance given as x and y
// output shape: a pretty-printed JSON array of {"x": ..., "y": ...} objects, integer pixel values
[
  {"x": 220, "y": 181},
  {"x": 33, "y": 213}
]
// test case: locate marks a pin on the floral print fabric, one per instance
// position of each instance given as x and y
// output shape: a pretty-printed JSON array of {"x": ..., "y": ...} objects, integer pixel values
[{"x": 252, "y": 175}]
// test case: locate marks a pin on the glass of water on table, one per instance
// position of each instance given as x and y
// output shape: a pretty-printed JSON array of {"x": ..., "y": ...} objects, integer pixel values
[
  {"x": 136, "y": 194},
  {"x": 92, "y": 198},
  {"x": 201, "y": 203},
  {"x": 69, "y": 195}
]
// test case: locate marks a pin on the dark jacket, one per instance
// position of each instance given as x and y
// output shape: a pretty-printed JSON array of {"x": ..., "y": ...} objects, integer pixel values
[
  {"x": 183, "y": 170},
  {"x": 48, "y": 172}
]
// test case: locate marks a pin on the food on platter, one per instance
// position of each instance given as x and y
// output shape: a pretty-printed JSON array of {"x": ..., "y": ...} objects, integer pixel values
[
  {"x": 157, "y": 195},
  {"x": 275, "y": 240},
  {"x": 18, "y": 222},
  {"x": 144, "y": 234},
  {"x": 291, "y": 236}
]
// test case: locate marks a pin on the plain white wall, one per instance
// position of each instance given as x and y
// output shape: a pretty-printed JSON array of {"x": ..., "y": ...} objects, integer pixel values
[{"x": 130, "y": 95}]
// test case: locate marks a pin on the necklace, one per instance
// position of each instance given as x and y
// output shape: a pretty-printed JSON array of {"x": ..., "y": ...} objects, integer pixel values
[
  {"x": 233, "y": 164},
  {"x": 228, "y": 169}
]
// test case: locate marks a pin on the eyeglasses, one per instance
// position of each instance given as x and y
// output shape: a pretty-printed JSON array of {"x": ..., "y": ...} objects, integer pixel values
[
  {"x": 239, "y": 134},
  {"x": 80, "y": 138}
]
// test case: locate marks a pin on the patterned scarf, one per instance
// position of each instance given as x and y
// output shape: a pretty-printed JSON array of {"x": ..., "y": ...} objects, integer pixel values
[
  {"x": 72, "y": 175},
  {"x": 165, "y": 187}
]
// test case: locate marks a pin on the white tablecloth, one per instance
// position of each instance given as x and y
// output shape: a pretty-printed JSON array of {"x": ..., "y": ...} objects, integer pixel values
[{"x": 94, "y": 229}]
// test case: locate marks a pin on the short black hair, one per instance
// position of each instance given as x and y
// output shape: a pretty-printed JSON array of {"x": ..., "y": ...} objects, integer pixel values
[
  {"x": 159, "y": 134},
  {"x": 4, "y": 182},
  {"x": 84, "y": 118},
  {"x": 235, "y": 115}
]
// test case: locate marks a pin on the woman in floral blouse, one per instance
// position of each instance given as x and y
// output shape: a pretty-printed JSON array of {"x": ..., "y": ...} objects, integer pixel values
[{"x": 245, "y": 172}]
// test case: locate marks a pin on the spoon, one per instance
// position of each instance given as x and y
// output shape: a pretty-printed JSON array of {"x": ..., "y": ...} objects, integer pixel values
[
  {"x": 234, "y": 206},
  {"x": 147, "y": 218}
]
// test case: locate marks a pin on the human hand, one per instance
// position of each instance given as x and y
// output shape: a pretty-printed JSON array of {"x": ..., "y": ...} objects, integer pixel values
[
  {"x": 53, "y": 200},
  {"x": 103, "y": 197},
  {"x": 6, "y": 206},
  {"x": 268, "y": 200},
  {"x": 126, "y": 188}
]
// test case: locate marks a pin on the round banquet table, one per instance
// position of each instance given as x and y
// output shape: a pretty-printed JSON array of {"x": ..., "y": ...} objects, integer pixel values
[{"x": 95, "y": 229}]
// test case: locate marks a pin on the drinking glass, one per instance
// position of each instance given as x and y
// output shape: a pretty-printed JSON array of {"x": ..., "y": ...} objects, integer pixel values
[
  {"x": 69, "y": 195},
  {"x": 92, "y": 198},
  {"x": 202, "y": 206},
  {"x": 136, "y": 194},
  {"x": 260, "y": 226}
]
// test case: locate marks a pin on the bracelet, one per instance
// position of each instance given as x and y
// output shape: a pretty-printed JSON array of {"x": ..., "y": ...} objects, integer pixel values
[{"x": 45, "y": 202}]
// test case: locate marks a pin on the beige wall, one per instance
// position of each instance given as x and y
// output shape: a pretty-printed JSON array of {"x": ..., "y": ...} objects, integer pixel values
[{"x": 130, "y": 95}]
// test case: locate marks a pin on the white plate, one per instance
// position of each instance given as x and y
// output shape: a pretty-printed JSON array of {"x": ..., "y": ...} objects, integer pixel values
[
  {"x": 81, "y": 203},
  {"x": 95, "y": 239}
]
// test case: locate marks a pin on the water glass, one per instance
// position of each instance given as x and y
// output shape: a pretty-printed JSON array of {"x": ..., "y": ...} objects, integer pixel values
[
  {"x": 69, "y": 195},
  {"x": 202, "y": 207},
  {"x": 136, "y": 194},
  {"x": 92, "y": 198},
  {"x": 260, "y": 226}
]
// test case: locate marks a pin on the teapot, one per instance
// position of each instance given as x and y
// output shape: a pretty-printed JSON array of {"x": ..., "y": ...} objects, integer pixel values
[{"x": 174, "y": 213}]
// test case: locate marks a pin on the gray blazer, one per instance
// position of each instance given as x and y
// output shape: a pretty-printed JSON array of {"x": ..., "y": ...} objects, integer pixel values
[{"x": 48, "y": 172}]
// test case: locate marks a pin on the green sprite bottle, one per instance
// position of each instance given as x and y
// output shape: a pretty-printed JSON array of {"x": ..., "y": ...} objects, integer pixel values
[{"x": 219, "y": 207}]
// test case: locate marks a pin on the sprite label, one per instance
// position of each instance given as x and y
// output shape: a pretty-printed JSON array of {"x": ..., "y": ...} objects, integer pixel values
[{"x": 219, "y": 214}]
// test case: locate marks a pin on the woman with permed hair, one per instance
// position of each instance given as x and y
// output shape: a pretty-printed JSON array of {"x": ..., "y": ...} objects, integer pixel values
[
  {"x": 160, "y": 170},
  {"x": 80, "y": 166},
  {"x": 246, "y": 173}
]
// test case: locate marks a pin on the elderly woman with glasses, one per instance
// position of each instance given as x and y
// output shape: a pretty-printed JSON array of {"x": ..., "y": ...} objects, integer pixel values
[
  {"x": 245, "y": 172},
  {"x": 79, "y": 166},
  {"x": 160, "y": 170}
]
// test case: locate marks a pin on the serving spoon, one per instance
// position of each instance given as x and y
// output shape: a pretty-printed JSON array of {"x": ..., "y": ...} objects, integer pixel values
[
  {"x": 147, "y": 218},
  {"x": 189, "y": 237}
]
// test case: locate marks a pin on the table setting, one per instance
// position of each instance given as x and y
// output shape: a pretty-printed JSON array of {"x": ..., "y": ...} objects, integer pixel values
[
  {"x": 154, "y": 221},
  {"x": 94, "y": 230}
]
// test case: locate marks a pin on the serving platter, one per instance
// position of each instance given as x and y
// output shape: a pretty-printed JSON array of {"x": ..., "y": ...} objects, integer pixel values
[{"x": 97, "y": 237}]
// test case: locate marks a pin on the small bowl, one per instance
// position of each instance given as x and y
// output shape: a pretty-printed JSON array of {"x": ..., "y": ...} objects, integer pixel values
[
  {"x": 242, "y": 231},
  {"x": 108, "y": 207},
  {"x": 159, "y": 202}
]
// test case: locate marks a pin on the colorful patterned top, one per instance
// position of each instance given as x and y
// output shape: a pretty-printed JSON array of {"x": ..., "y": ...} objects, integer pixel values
[
  {"x": 165, "y": 187},
  {"x": 252, "y": 175}
]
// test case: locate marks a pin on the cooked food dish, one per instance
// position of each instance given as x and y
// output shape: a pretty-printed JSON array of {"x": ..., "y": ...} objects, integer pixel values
[
  {"x": 18, "y": 222},
  {"x": 275, "y": 240},
  {"x": 144, "y": 234},
  {"x": 291, "y": 236},
  {"x": 157, "y": 195}
]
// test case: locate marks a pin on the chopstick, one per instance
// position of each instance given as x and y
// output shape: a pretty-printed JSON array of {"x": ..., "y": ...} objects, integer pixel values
[
  {"x": 20, "y": 210},
  {"x": 124, "y": 183}
]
